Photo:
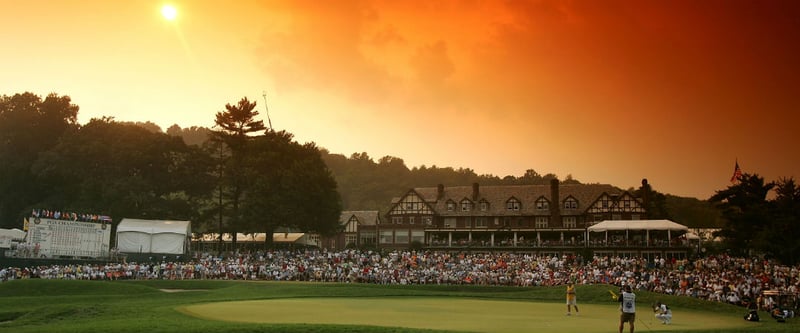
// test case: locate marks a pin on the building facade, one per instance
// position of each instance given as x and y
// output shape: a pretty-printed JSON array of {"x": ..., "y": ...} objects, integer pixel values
[
  {"x": 358, "y": 230},
  {"x": 504, "y": 216},
  {"x": 542, "y": 219}
]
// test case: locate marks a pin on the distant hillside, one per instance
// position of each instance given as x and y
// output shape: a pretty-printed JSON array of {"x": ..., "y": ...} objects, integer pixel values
[
  {"x": 366, "y": 184},
  {"x": 693, "y": 212}
]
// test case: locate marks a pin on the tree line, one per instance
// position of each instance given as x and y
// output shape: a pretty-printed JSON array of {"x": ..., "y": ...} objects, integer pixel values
[{"x": 242, "y": 177}]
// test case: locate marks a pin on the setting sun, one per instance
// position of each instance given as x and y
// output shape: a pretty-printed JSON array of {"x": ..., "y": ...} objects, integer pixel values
[{"x": 169, "y": 12}]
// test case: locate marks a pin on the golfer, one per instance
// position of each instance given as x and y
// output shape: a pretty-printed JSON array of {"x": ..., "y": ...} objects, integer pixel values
[
  {"x": 663, "y": 313},
  {"x": 627, "y": 302},
  {"x": 571, "y": 298}
]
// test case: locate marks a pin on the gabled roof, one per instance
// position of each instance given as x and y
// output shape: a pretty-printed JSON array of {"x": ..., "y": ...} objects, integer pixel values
[
  {"x": 364, "y": 217},
  {"x": 497, "y": 195}
]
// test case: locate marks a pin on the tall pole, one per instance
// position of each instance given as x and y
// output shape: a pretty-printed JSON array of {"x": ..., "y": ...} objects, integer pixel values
[
  {"x": 220, "y": 197},
  {"x": 267, "y": 108}
]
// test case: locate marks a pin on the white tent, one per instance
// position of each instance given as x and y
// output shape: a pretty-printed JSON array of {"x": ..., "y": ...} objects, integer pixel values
[
  {"x": 638, "y": 225},
  {"x": 14, "y": 234},
  {"x": 8, "y": 235},
  {"x": 153, "y": 236}
]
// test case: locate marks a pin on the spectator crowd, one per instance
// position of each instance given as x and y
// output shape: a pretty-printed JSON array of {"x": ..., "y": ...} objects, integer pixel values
[{"x": 717, "y": 278}]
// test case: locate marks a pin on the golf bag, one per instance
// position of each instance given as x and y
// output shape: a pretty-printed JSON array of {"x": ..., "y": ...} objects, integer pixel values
[{"x": 751, "y": 316}]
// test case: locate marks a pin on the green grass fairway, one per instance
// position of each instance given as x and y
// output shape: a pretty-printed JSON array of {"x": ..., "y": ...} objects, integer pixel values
[
  {"x": 69, "y": 306},
  {"x": 451, "y": 313}
]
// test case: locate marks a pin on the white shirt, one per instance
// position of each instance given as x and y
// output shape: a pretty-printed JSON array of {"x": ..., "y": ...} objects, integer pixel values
[{"x": 628, "y": 302}]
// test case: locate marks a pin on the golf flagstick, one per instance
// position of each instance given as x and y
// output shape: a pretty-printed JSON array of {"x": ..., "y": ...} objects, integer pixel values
[{"x": 643, "y": 323}]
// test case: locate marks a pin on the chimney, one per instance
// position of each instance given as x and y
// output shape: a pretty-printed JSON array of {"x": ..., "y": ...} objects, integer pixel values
[
  {"x": 555, "y": 203},
  {"x": 439, "y": 192},
  {"x": 475, "y": 191},
  {"x": 645, "y": 196}
]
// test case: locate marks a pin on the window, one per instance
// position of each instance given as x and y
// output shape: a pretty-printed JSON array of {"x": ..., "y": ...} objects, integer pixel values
[
  {"x": 636, "y": 217},
  {"x": 541, "y": 222},
  {"x": 418, "y": 236},
  {"x": 314, "y": 238},
  {"x": 570, "y": 203},
  {"x": 484, "y": 205},
  {"x": 570, "y": 221},
  {"x": 449, "y": 222},
  {"x": 397, "y": 220},
  {"x": 428, "y": 220},
  {"x": 409, "y": 205},
  {"x": 350, "y": 239},
  {"x": 386, "y": 237},
  {"x": 368, "y": 237},
  {"x": 616, "y": 217},
  {"x": 466, "y": 205},
  {"x": 451, "y": 206},
  {"x": 542, "y": 204},
  {"x": 481, "y": 222},
  {"x": 410, "y": 220},
  {"x": 512, "y": 204},
  {"x": 401, "y": 237}
]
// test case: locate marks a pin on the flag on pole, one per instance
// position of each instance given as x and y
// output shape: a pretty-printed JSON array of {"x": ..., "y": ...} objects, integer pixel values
[
  {"x": 737, "y": 173},
  {"x": 25, "y": 224}
]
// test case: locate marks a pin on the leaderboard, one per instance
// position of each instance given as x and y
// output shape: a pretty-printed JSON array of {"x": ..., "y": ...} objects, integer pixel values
[{"x": 52, "y": 238}]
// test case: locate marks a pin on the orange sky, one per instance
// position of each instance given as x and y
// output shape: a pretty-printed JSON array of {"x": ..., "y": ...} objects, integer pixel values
[{"x": 607, "y": 91}]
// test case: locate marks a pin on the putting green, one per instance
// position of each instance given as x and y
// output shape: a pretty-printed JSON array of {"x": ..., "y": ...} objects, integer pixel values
[{"x": 458, "y": 314}]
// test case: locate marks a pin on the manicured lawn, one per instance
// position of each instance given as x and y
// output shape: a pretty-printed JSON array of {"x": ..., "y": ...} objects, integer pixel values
[
  {"x": 458, "y": 314},
  {"x": 222, "y": 306}
]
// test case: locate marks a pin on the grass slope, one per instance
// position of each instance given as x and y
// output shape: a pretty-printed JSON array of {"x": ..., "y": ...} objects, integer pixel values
[{"x": 81, "y": 306}]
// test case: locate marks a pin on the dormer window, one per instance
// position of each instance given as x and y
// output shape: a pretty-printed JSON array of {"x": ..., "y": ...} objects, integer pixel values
[
  {"x": 542, "y": 204},
  {"x": 466, "y": 205},
  {"x": 570, "y": 203},
  {"x": 484, "y": 205},
  {"x": 451, "y": 206},
  {"x": 513, "y": 204}
]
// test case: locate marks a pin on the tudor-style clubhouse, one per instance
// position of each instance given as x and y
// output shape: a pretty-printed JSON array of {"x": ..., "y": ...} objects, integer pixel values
[{"x": 544, "y": 219}]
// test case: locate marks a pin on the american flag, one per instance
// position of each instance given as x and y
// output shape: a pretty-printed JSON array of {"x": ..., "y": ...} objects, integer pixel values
[{"x": 737, "y": 173}]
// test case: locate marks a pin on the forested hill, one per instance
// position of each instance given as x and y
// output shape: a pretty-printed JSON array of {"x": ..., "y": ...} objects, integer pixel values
[{"x": 367, "y": 184}]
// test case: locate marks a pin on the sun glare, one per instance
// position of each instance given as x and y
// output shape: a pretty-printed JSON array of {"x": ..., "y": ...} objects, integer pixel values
[{"x": 169, "y": 12}]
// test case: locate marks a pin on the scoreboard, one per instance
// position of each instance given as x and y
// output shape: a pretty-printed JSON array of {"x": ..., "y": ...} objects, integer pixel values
[{"x": 53, "y": 238}]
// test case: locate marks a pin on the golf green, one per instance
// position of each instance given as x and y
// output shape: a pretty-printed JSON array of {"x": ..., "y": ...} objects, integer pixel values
[{"x": 458, "y": 314}]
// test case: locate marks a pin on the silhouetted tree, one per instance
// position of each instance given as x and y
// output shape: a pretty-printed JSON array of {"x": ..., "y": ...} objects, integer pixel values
[
  {"x": 289, "y": 186},
  {"x": 746, "y": 212},
  {"x": 123, "y": 170},
  {"x": 28, "y": 126},
  {"x": 784, "y": 229},
  {"x": 234, "y": 126}
]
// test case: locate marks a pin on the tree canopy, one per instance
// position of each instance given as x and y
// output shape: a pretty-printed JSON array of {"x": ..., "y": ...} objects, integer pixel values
[
  {"x": 756, "y": 224},
  {"x": 29, "y": 125}
]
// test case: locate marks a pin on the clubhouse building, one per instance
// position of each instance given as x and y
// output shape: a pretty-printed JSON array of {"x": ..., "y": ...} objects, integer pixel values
[{"x": 552, "y": 219}]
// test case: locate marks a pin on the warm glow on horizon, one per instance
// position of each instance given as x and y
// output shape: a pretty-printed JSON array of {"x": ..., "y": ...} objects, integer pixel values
[
  {"x": 604, "y": 91},
  {"x": 169, "y": 12}
]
